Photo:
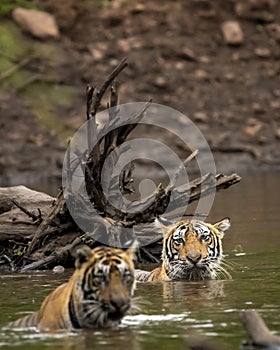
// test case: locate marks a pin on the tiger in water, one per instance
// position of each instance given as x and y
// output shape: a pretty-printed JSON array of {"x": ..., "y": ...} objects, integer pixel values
[
  {"x": 192, "y": 250},
  {"x": 97, "y": 295}
]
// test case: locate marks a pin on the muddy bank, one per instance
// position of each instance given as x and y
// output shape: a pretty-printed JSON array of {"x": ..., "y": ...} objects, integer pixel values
[{"x": 178, "y": 57}]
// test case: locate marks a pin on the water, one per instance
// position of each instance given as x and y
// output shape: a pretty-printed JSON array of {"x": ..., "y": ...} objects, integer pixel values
[{"x": 172, "y": 313}]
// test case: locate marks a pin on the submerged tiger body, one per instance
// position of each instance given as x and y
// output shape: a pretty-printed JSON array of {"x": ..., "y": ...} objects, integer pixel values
[
  {"x": 97, "y": 295},
  {"x": 192, "y": 250}
]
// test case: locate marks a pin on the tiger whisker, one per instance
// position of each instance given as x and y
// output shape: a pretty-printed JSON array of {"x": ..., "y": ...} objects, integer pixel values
[
  {"x": 230, "y": 264},
  {"x": 90, "y": 313},
  {"x": 222, "y": 272},
  {"x": 93, "y": 302},
  {"x": 135, "y": 304}
]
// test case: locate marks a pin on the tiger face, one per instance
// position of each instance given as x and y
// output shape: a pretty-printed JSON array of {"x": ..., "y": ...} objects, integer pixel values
[
  {"x": 105, "y": 285},
  {"x": 97, "y": 295},
  {"x": 193, "y": 250}
]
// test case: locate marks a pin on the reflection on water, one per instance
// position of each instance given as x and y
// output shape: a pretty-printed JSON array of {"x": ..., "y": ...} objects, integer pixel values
[
  {"x": 171, "y": 312},
  {"x": 192, "y": 292}
]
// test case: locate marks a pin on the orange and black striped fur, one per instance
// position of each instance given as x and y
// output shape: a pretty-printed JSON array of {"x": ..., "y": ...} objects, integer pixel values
[
  {"x": 97, "y": 295},
  {"x": 192, "y": 250}
]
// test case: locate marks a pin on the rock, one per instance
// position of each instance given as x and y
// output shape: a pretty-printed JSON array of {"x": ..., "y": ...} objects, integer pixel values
[
  {"x": 274, "y": 104},
  {"x": 129, "y": 44},
  {"x": 277, "y": 133},
  {"x": 276, "y": 92},
  {"x": 232, "y": 33},
  {"x": 160, "y": 82},
  {"x": 98, "y": 50},
  {"x": 58, "y": 269},
  {"x": 257, "y": 11},
  {"x": 96, "y": 54},
  {"x": 187, "y": 54},
  {"x": 262, "y": 140},
  {"x": 201, "y": 74},
  {"x": 179, "y": 65},
  {"x": 40, "y": 24},
  {"x": 252, "y": 130},
  {"x": 235, "y": 56},
  {"x": 271, "y": 72},
  {"x": 124, "y": 45},
  {"x": 230, "y": 76},
  {"x": 138, "y": 8},
  {"x": 200, "y": 117},
  {"x": 204, "y": 59},
  {"x": 273, "y": 31},
  {"x": 262, "y": 52},
  {"x": 257, "y": 108}
]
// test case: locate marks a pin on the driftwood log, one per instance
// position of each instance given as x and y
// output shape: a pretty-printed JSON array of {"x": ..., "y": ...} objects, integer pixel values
[
  {"x": 39, "y": 232},
  {"x": 260, "y": 335}
]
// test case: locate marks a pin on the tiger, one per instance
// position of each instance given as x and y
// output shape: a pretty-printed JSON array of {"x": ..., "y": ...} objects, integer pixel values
[
  {"x": 192, "y": 250},
  {"x": 98, "y": 294}
]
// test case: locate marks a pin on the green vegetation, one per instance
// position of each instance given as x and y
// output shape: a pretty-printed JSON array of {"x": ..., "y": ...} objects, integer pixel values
[
  {"x": 7, "y": 6},
  {"x": 12, "y": 42},
  {"x": 20, "y": 57},
  {"x": 45, "y": 100},
  {"x": 12, "y": 51}
]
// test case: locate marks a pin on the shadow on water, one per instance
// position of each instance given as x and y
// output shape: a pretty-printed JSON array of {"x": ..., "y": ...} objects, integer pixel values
[{"x": 171, "y": 313}]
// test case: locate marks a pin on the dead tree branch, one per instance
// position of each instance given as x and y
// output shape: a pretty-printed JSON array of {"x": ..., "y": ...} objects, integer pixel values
[
  {"x": 56, "y": 257},
  {"x": 35, "y": 218},
  {"x": 58, "y": 225}
]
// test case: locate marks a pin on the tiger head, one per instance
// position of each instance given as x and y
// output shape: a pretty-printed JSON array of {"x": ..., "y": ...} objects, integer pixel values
[
  {"x": 192, "y": 249},
  {"x": 104, "y": 284}
]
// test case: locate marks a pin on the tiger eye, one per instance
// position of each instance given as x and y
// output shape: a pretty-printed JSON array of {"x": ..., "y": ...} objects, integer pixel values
[
  {"x": 99, "y": 279},
  {"x": 204, "y": 238},
  {"x": 179, "y": 241}
]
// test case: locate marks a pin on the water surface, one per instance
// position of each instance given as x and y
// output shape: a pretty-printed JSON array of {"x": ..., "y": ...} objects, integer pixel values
[{"x": 171, "y": 313}]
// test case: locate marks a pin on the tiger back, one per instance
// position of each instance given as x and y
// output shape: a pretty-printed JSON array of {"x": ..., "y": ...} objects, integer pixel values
[
  {"x": 97, "y": 295},
  {"x": 192, "y": 250}
]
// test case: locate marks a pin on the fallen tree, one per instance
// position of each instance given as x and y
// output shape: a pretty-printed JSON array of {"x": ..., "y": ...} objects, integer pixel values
[{"x": 38, "y": 231}]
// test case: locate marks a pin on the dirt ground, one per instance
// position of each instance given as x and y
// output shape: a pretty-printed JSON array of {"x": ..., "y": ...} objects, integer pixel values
[{"x": 178, "y": 57}]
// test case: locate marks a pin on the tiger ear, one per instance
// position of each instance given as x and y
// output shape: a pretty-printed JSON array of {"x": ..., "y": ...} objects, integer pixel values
[
  {"x": 82, "y": 255},
  {"x": 222, "y": 226},
  {"x": 162, "y": 224},
  {"x": 130, "y": 248}
]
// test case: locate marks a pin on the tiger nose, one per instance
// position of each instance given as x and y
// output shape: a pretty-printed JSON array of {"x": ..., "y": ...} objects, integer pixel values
[
  {"x": 194, "y": 258},
  {"x": 121, "y": 305}
]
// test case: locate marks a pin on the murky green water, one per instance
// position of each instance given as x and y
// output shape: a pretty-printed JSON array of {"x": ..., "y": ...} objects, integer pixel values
[{"x": 170, "y": 313}]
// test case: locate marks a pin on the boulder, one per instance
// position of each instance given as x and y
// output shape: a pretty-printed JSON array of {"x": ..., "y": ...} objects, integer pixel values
[
  {"x": 232, "y": 33},
  {"x": 40, "y": 24}
]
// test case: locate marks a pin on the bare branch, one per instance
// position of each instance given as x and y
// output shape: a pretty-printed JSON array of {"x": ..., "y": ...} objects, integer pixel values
[
  {"x": 96, "y": 99},
  {"x": 27, "y": 212}
]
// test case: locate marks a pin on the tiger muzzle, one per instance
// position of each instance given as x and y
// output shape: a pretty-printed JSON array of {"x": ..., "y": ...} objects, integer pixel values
[{"x": 117, "y": 308}]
